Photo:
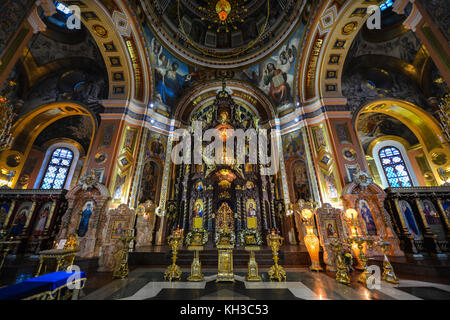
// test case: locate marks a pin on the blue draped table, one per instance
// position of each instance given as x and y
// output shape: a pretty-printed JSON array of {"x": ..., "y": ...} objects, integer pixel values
[{"x": 48, "y": 286}]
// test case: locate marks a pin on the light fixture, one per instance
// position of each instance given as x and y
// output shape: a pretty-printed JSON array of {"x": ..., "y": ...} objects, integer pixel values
[
  {"x": 223, "y": 16},
  {"x": 351, "y": 214},
  {"x": 311, "y": 240},
  {"x": 223, "y": 8}
]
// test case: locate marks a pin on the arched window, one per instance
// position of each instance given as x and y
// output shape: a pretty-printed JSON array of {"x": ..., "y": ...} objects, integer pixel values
[
  {"x": 394, "y": 167},
  {"x": 57, "y": 169}
]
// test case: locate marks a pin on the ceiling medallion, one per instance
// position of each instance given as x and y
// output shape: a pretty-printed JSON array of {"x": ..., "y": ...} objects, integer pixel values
[{"x": 223, "y": 15}]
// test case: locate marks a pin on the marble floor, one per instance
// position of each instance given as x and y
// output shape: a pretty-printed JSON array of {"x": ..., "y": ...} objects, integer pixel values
[{"x": 149, "y": 284}]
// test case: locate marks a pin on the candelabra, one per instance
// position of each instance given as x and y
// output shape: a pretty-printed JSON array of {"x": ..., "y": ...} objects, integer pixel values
[
  {"x": 311, "y": 240},
  {"x": 341, "y": 273},
  {"x": 7, "y": 116},
  {"x": 174, "y": 271},
  {"x": 276, "y": 271},
  {"x": 351, "y": 218},
  {"x": 388, "y": 270}
]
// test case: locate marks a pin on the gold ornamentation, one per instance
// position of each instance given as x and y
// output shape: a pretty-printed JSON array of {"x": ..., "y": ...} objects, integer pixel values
[
  {"x": 388, "y": 270},
  {"x": 360, "y": 242},
  {"x": 196, "y": 266},
  {"x": 62, "y": 258},
  {"x": 229, "y": 12},
  {"x": 122, "y": 269},
  {"x": 174, "y": 271},
  {"x": 276, "y": 271},
  {"x": 7, "y": 116},
  {"x": 349, "y": 28},
  {"x": 225, "y": 243},
  {"x": 252, "y": 274},
  {"x": 100, "y": 31},
  {"x": 341, "y": 273}
]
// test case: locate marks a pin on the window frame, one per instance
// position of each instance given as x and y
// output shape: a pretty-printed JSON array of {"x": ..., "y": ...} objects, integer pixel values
[
  {"x": 389, "y": 142},
  {"x": 47, "y": 159},
  {"x": 403, "y": 162}
]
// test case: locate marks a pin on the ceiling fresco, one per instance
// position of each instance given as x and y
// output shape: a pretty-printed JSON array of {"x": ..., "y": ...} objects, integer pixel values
[
  {"x": 375, "y": 125},
  {"x": 273, "y": 75}
]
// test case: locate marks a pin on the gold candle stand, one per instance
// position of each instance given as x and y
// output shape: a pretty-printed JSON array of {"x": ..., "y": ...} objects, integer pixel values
[
  {"x": 276, "y": 271},
  {"x": 174, "y": 271},
  {"x": 121, "y": 271},
  {"x": 365, "y": 274},
  {"x": 341, "y": 273},
  {"x": 388, "y": 270}
]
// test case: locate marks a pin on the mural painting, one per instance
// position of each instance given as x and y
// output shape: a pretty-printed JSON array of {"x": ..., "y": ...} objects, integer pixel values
[{"x": 375, "y": 125}]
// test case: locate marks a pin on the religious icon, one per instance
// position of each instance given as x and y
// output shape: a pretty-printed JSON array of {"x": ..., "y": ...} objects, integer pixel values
[
  {"x": 293, "y": 145},
  {"x": 129, "y": 139},
  {"x": 117, "y": 229},
  {"x": 155, "y": 146},
  {"x": 251, "y": 208},
  {"x": 118, "y": 189},
  {"x": 198, "y": 208},
  {"x": 331, "y": 186},
  {"x": 430, "y": 213},
  {"x": 447, "y": 209},
  {"x": 343, "y": 133},
  {"x": 20, "y": 221},
  {"x": 84, "y": 220},
  {"x": 367, "y": 218},
  {"x": 39, "y": 227},
  {"x": 331, "y": 228},
  {"x": 409, "y": 219},
  {"x": 4, "y": 209},
  {"x": 319, "y": 137},
  {"x": 433, "y": 219}
]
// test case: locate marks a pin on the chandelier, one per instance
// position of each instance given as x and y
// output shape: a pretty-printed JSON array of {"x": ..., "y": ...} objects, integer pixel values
[
  {"x": 224, "y": 15},
  {"x": 444, "y": 115},
  {"x": 7, "y": 116}
]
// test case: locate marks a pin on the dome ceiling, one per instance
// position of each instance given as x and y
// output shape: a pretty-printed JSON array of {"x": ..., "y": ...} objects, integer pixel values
[{"x": 222, "y": 33}]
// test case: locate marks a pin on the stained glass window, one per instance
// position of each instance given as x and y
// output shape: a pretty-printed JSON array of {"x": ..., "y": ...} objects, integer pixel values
[
  {"x": 387, "y": 4},
  {"x": 394, "y": 167},
  {"x": 57, "y": 169}
]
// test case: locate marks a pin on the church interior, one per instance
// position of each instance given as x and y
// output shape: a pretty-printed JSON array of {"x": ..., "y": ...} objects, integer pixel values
[{"x": 224, "y": 149}]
